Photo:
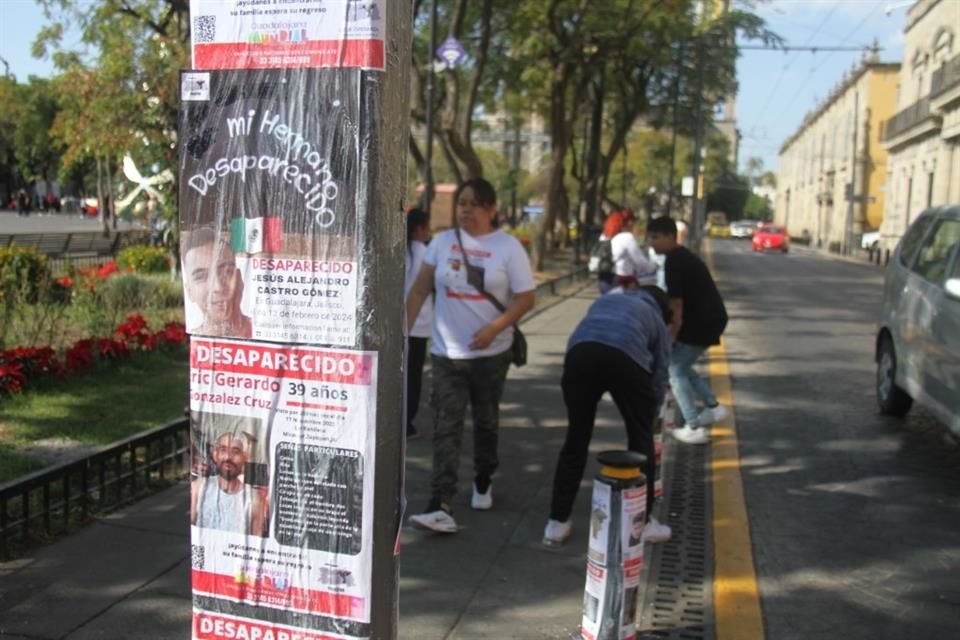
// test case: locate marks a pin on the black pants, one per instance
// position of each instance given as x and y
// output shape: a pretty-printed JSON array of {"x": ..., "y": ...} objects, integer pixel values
[
  {"x": 416, "y": 356},
  {"x": 589, "y": 370}
]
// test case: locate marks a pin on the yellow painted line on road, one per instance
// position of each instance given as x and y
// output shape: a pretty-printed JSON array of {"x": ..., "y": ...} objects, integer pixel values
[{"x": 736, "y": 595}]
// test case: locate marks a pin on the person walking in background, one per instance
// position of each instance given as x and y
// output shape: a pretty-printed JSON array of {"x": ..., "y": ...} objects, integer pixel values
[
  {"x": 622, "y": 257},
  {"x": 699, "y": 319},
  {"x": 23, "y": 203},
  {"x": 418, "y": 233},
  {"x": 621, "y": 347},
  {"x": 470, "y": 341}
]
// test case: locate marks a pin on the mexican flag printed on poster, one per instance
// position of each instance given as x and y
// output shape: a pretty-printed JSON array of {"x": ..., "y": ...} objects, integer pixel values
[
  {"x": 268, "y": 191},
  {"x": 256, "y": 235}
]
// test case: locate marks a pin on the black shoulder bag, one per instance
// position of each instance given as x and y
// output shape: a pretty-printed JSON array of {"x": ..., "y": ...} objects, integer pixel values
[{"x": 518, "y": 349}]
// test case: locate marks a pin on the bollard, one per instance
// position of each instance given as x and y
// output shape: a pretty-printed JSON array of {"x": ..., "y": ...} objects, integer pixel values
[{"x": 615, "y": 552}]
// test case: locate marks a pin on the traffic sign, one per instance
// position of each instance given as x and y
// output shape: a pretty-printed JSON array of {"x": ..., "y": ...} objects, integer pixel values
[{"x": 451, "y": 52}]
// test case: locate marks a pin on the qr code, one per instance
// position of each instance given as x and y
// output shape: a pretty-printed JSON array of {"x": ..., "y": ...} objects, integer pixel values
[
  {"x": 205, "y": 28},
  {"x": 197, "y": 558}
]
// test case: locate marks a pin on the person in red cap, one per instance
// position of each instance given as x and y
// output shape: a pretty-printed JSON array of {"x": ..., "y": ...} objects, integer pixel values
[{"x": 626, "y": 259}]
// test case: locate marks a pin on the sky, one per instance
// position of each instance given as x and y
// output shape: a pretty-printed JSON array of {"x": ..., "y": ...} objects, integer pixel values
[
  {"x": 776, "y": 88},
  {"x": 20, "y": 21}
]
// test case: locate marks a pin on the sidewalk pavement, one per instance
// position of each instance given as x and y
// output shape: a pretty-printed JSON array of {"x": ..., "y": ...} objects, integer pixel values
[{"x": 127, "y": 575}]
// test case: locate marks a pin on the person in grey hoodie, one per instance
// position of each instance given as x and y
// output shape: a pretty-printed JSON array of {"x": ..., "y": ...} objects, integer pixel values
[{"x": 622, "y": 346}]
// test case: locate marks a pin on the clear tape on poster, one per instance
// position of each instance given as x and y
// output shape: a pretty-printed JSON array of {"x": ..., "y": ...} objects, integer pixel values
[{"x": 282, "y": 395}]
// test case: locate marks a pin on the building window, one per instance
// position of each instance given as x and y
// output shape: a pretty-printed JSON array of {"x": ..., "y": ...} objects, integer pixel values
[
  {"x": 942, "y": 45},
  {"x": 919, "y": 65}
]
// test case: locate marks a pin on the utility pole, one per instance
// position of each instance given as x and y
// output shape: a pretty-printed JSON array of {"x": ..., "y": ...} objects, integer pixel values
[
  {"x": 698, "y": 215},
  {"x": 320, "y": 419},
  {"x": 515, "y": 171},
  {"x": 673, "y": 135},
  {"x": 428, "y": 152}
]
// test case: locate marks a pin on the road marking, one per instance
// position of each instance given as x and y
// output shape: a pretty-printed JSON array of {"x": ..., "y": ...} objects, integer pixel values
[{"x": 736, "y": 596}]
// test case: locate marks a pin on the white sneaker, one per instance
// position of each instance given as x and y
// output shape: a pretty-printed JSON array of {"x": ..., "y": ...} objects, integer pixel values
[
  {"x": 655, "y": 532},
  {"x": 556, "y": 532},
  {"x": 482, "y": 501},
  {"x": 439, "y": 521},
  {"x": 713, "y": 414},
  {"x": 691, "y": 435}
]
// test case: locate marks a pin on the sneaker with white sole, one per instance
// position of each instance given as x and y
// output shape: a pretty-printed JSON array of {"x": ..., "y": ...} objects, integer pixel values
[
  {"x": 691, "y": 435},
  {"x": 439, "y": 521},
  {"x": 482, "y": 501},
  {"x": 556, "y": 532},
  {"x": 711, "y": 415},
  {"x": 655, "y": 532}
]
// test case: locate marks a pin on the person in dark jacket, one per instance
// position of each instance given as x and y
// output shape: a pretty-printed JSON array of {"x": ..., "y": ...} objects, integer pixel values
[{"x": 699, "y": 319}]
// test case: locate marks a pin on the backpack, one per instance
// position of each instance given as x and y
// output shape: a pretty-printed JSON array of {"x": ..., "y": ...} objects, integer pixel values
[{"x": 601, "y": 258}]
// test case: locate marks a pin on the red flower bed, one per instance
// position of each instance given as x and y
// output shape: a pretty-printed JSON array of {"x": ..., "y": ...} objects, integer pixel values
[{"x": 21, "y": 364}]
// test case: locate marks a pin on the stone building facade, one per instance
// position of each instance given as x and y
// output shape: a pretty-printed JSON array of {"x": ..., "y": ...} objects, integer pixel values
[
  {"x": 923, "y": 137},
  {"x": 832, "y": 174}
]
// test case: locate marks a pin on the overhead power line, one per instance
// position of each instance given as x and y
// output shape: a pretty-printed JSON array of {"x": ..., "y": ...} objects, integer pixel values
[{"x": 811, "y": 49}]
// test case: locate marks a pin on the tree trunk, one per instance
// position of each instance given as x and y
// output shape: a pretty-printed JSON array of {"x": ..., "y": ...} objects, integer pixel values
[
  {"x": 556, "y": 199},
  {"x": 111, "y": 201},
  {"x": 101, "y": 210}
]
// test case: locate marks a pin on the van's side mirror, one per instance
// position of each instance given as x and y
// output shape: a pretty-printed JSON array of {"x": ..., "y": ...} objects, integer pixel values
[{"x": 953, "y": 287}]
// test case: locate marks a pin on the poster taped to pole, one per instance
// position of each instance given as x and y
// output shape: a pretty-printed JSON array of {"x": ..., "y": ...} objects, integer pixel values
[
  {"x": 282, "y": 398},
  {"x": 267, "y": 34},
  {"x": 268, "y": 201},
  {"x": 282, "y": 486}
]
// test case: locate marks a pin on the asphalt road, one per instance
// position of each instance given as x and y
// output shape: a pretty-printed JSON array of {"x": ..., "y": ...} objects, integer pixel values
[{"x": 854, "y": 517}]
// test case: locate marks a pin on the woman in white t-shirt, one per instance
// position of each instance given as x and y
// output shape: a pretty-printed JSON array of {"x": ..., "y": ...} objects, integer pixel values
[
  {"x": 470, "y": 340},
  {"x": 418, "y": 233}
]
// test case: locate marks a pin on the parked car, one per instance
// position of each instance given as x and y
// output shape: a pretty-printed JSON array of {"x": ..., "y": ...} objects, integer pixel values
[
  {"x": 918, "y": 336},
  {"x": 770, "y": 237},
  {"x": 870, "y": 240},
  {"x": 742, "y": 229}
]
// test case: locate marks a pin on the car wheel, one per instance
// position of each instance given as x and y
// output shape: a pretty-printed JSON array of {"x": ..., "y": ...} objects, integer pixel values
[{"x": 892, "y": 400}]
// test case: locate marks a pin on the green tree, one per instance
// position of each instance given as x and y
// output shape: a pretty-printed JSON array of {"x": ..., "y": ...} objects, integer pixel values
[
  {"x": 119, "y": 91},
  {"x": 37, "y": 153},
  {"x": 757, "y": 208},
  {"x": 10, "y": 110}
]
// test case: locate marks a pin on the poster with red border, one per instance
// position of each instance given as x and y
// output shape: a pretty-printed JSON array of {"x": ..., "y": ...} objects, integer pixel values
[
  {"x": 282, "y": 440},
  {"x": 284, "y": 34}
]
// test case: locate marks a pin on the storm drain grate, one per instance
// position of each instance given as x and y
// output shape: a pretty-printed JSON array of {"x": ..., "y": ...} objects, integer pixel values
[{"x": 678, "y": 587}]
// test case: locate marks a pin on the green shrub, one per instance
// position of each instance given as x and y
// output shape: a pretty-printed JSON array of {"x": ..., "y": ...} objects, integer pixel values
[
  {"x": 23, "y": 272},
  {"x": 144, "y": 259},
  {"x": 99, "y": 309}
]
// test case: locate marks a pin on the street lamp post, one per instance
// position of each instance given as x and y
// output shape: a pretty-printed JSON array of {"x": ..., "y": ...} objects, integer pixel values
[
  {"x": 697, "y": 213},
  {"x": 673, "y": 133},
  {"x": 428, "y": 154}
]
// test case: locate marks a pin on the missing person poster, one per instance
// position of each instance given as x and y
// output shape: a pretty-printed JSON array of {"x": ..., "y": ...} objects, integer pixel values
[
  {"x": 269, "y": 165},
  {"x": 282, "y": 440},
  {"x": 271, "y": 34}
]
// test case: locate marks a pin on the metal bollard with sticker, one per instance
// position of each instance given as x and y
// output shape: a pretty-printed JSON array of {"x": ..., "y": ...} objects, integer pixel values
[{"x": 615, "y": 553}]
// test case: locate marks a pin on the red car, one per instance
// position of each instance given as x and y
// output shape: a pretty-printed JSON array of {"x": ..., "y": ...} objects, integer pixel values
[{"x": 770, "y": 237}]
